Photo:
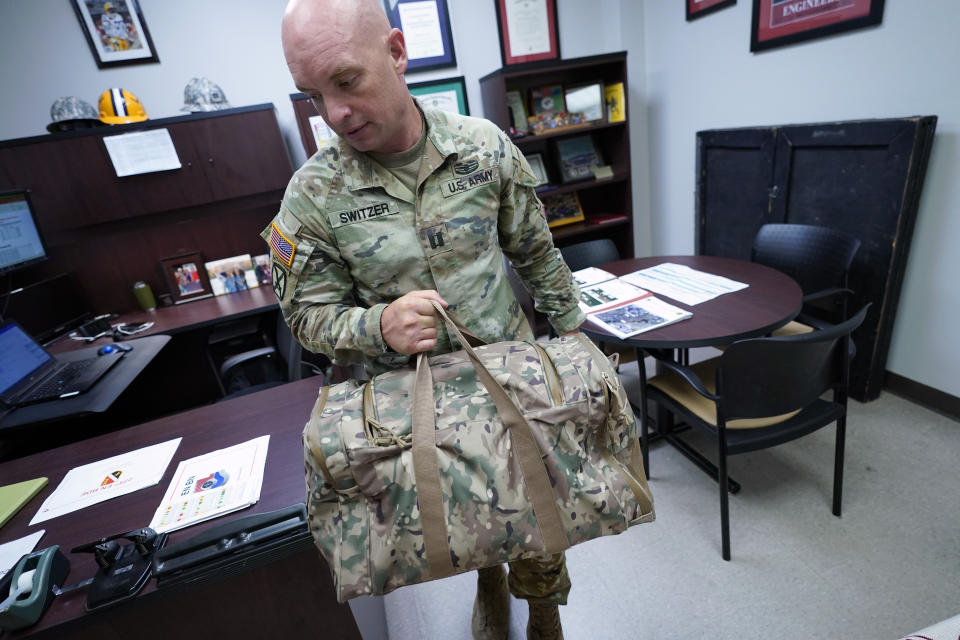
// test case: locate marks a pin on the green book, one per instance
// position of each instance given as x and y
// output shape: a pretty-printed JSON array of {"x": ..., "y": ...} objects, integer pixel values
[{"x": 14, "y": 496}]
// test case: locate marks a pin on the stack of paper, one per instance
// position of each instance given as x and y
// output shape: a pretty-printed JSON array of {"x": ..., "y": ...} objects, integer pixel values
[
  {"x": 620, "y": 307},
  {"x": 682, "y": 283},
  {"x": 213, "y": 484}
]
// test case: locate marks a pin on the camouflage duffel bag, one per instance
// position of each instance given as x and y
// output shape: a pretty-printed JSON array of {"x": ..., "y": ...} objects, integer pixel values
[{"x": 475, "y": 458}]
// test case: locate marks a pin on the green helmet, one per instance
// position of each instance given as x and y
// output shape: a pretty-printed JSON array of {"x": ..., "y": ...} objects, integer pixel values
[{"x": 201, "y": 94}]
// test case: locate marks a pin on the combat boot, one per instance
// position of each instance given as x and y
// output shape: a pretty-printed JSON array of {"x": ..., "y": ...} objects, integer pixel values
[
  {"x": 491, "y": 609},
  {"x": 544, "y": 622}
]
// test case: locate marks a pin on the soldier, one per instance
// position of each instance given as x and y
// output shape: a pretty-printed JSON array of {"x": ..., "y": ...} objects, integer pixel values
[{"x": 407, "y": 206}]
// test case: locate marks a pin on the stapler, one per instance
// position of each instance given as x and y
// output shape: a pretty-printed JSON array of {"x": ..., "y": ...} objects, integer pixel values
[
  {"x": 29, "y": 587},
  {"x": 124, "y": 569}
]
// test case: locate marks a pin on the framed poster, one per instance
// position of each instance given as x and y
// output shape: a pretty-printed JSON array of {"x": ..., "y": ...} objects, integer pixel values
[
  {"x": 447, "y": 94},
  {"x": 426, "y": 32},
  {"x": 116, "y": 32},
  {"x": 577, "y": 158},
  {"x": 780, "y": 22},
  {"x": 699, "y": 8},
  {"x": 528, "y": 31}
]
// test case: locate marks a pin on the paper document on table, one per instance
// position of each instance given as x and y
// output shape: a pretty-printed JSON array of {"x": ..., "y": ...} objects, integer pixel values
[
  {"x": 11, "y": 552},
  {"x": 142, "y": 152},
  {"x": 682, "y": 283},
  {"x": 109, "y": 478},
  {"x": 638, "y": 316},
  {"x": 591, "y": 276},
  {"x": 213, "y": 484},
  {"x": 609, "y": 294}
]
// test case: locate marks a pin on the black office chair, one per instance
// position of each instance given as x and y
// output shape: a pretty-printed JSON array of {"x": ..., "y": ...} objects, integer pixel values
[
  {"x": 758, "y": 393},
  {"x": 267, "y": 366},
  {"x": 591, "y": 253},
  {"x": 819, "y": 259}
]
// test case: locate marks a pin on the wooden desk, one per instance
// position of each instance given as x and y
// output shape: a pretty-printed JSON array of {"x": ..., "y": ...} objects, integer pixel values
[
  {"x": 191, "y": 315},
  {"x": 772, "y": 300},
  {"x": 290, "y": 598},
  {"x": 98, "y": 399}
]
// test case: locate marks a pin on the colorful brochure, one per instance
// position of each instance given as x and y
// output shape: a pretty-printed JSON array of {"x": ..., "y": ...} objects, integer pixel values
[
  {"x": 212, "y": 485},
  {"x": 638, "y": 316}
]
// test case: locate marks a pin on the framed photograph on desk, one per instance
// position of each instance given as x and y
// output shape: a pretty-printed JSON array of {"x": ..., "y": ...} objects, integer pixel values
[{"x": 186, "y": 277}]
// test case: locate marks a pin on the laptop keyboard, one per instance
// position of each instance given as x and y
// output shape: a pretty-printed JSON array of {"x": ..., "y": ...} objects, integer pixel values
[{"x": 56, "y": 385}]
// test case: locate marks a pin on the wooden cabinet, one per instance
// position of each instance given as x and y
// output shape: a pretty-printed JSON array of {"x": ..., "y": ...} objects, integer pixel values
[
  {"x": 110, "y": 232},
  {"x": 224, "y": 155},
  {"x": 861, "y": 177},
  {"x": 607, "y": 203}
]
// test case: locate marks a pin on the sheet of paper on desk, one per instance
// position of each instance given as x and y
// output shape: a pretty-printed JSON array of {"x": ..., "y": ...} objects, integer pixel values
[
  {"x": 11, "y": 552},
  {"x": 106, "y": 479},
  {"x": 682, "y": 283},
  {"x": 212, "y": 485},
  {"x": 609, "y": 294},
  {"x": 591, "y": 276},
  {"x": 142, "y": 152}
]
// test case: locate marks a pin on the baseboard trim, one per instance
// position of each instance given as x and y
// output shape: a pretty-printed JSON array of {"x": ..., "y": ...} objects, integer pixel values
[{"x": 925, "y": 396}]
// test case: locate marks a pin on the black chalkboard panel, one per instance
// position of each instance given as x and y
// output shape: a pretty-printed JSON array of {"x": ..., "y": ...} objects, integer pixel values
[{"x": 863, "y": 177}]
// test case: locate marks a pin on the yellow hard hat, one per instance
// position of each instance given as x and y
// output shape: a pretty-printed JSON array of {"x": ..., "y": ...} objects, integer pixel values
[
  {"x": 118, "y": 106},
  {"x": 107, "y": 6}
]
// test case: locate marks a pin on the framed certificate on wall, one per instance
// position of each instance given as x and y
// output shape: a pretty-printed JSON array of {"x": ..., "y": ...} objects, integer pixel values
[
  {"x": 528, "y": 31},
  {"x": 426, "y": 32}
]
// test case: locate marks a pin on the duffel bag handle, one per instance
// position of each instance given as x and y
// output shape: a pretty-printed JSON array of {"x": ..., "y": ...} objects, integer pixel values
[{"x": 427, "y": 473}]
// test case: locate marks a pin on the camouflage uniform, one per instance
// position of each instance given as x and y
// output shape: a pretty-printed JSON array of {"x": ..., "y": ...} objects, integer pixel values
[{"x": 350, "y": 238}]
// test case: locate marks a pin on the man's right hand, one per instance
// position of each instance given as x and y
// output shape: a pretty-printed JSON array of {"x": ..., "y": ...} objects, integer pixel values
[{"x": 409, "y": 323}]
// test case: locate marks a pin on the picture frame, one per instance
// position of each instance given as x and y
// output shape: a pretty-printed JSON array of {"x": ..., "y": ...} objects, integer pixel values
[
  {"x": 517, "y": 107},
  {"x": 186, "y": 277},
  {"x": 576, "y": 156},
  {"x": 528, "y": 31},
  {"x": 445, "y": 94},
  {"x": 117, "y": 36},
  {"x": 586, "y": 99},
  {"x": 426, "y": 32},
  {"x": 562, "y": 208},
  {"x": 699, "y": 8},
  {"x": 776, "y": 23},
  {"x": 539, "y": 168},
  {"x": 229, "y": 275}
]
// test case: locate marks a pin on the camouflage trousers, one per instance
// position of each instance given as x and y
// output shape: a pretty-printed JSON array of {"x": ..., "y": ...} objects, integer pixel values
[{"x": 539, "y": 579}]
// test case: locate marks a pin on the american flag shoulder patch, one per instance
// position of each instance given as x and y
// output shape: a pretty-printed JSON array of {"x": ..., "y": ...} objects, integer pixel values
[{"x": 281, "y": 246}]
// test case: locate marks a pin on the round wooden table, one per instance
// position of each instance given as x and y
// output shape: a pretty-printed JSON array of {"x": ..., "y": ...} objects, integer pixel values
[{"x": 772, "y": 300}]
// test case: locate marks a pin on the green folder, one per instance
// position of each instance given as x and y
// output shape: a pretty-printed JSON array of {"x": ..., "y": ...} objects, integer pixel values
[{"x": 14, "y": 496}]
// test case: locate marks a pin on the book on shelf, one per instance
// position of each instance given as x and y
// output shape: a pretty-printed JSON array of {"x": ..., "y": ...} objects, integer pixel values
[
  {"x": 621, "y": 308},
  {"x": 604, "y": 218},
  {"x": 613, "y": 96}
]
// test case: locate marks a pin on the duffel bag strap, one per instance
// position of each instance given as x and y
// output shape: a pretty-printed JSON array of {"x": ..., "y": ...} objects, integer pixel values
[{"x": 534, "y": 471}]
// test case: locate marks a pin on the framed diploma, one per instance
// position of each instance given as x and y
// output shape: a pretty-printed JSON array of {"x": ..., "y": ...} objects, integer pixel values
[
  {"x": 448, "y": 94},
  {"x": 528, "y": 31},
  {"x": 776, "y": 22},
  {"x": 426, "y": 32}
]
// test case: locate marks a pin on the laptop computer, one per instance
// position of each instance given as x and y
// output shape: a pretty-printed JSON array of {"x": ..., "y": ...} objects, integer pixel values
[
  {"x": 47, "y": 309},
  {"x": 29, "y": 374}
]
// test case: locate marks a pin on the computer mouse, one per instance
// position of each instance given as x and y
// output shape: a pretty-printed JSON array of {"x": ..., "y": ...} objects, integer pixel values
[{"x": 107, "y": 349}]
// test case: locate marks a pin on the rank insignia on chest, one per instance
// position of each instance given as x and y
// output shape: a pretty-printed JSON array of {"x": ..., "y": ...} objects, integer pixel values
[
  {"x": 282, "y": 248},
  {"x": 435, "y": 240}
]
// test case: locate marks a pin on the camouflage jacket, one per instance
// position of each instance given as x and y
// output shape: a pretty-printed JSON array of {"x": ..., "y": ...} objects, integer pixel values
[{"x": 347, "y": 241}]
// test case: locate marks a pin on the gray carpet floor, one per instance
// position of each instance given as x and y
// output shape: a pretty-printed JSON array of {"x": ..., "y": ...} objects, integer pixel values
[{"x": 888, "y": 567}]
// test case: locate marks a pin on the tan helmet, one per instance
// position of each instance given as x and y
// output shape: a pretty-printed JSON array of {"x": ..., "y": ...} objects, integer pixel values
[{"x": 119, "y": 106}]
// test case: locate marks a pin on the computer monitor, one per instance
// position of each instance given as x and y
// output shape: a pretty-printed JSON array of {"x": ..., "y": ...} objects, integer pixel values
[
  {"x": 20, "y": 241},
  {"x": 46, "y": 309}
]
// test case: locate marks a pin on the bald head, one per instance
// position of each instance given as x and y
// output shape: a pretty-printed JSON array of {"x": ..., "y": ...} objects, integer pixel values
[
  {"x": 305, "y": 21},
  {"x": 347, "y": 58}
]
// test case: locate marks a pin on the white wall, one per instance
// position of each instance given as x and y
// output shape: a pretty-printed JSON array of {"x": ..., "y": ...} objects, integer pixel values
[{"x": 701, "y": 75}]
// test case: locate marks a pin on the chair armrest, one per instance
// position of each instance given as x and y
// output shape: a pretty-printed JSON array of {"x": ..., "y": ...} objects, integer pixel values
[
  {"x": 240, "y": 358},
  {"x": 826, "y": 293},
  {"x": 684, "y": 372}
]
